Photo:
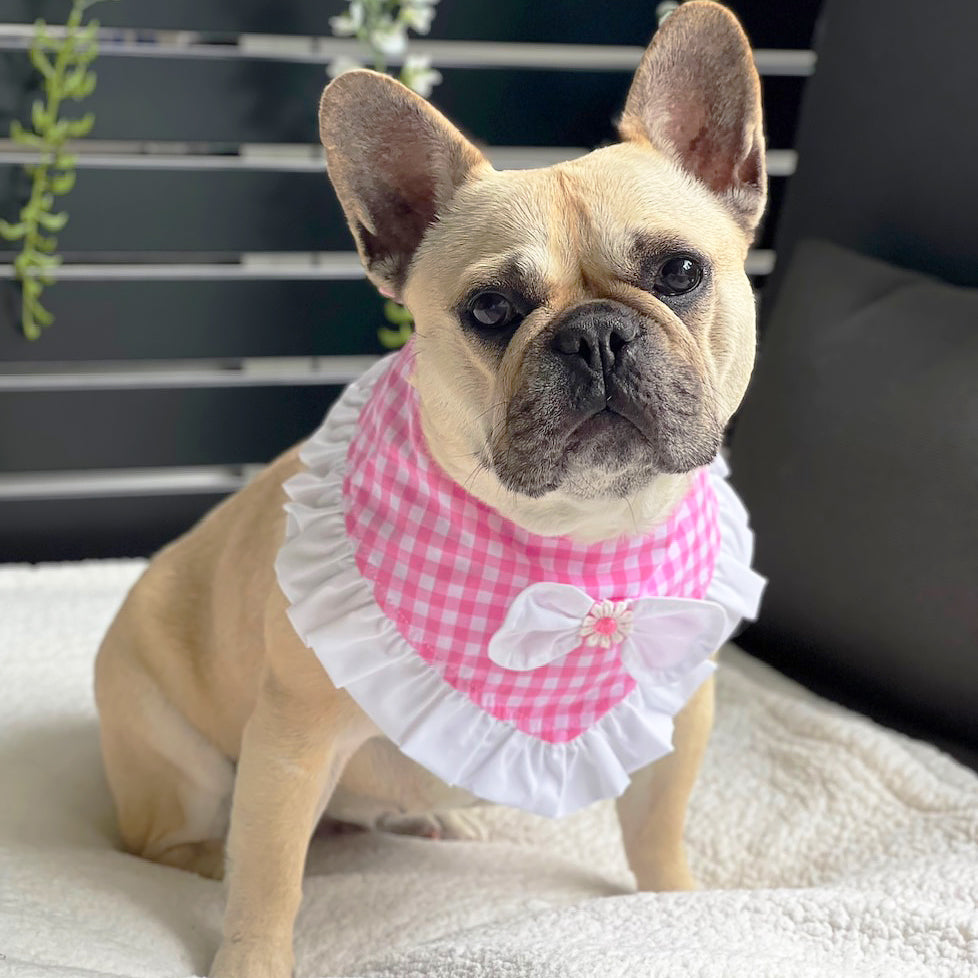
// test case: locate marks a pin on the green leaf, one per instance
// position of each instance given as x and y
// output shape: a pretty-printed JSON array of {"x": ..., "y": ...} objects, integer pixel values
[
  {"x": 65, "y": 161},
  {"x": 86, "y": 86},
  {"x": 85, "y": 56},
  {"x": 62, "y": 183},
  {"x": 39, "y": 116},
  {"x": 39, "y": 313},
  {"x": 31, "y": 286},
  {"x": 44, "y": 243},
  {"x": 20, "y": 135},
  {"x": 53, "y": 222},
  {"x": 87, "y": 34},
  {"x": 72, "y": 81},
  {"x": 31, "y": 331},
  {"x": 397, "y": 314},
  {"x": 81, "y": 127},
  {"x": 58, "y": 132},
  {"x": 41, "y": 61},
  {"x": 12, "y": 231},
  {"x": 394, "y": 339}
]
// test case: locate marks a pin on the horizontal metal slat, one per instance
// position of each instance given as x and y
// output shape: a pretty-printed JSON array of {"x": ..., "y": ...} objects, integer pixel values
[
  {"x": 494, "y": 55},
  {"x": 104, "y": 429},
  {"x": 252, "y": 372},
  {"x": 284, "y": 266},
  {"x": 442, "y": 54},
  {"x": 222, "y": 100},
  {"x": 559, "y": 21},
  {"x": 281, "y": 267},
  {"x": 115, "y": 483},
  {"x": 309, "y": 159},
  {"x": 285, "y": 159}
]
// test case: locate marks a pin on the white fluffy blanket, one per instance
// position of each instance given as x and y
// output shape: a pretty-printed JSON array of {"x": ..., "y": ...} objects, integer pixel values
[{"x": 826, "y": 846}]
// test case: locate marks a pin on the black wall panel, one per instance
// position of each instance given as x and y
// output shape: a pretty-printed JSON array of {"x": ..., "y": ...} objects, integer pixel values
[
  {"x": 186, "y": 211},
  {"x": 74, "y": 529},
  {"x": 47, "y": 431},
  {"x": 131, "y": 320},
  {"x": 115, "y": 210}
]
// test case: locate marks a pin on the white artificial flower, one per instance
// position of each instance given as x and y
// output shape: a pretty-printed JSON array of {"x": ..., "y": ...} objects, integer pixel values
[
  {"x": 607, "y": 623},
  {"x": 418, "y": 74},
  {"x": 346, "y": 25},
  {"x": 418, "y": 16},
  {"x": 389, "y": 38}
]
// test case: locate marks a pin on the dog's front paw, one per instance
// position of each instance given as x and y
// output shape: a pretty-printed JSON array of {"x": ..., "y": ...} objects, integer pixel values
[{"x": 253, "y": 959}]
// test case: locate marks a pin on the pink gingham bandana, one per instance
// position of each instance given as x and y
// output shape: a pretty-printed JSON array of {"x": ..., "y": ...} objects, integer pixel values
[
  {"x": 531, "y": 670},
  {"x": 446, "y": 569}
]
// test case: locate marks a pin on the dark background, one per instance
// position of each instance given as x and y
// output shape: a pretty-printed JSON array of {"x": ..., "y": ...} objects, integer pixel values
[{"x": 176, "y": 212}]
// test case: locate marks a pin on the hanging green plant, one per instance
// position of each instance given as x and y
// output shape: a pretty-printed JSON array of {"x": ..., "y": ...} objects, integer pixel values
[
  {"x": 402, "y": 320},
  {"x": 63, "y": 63},
  {"x": 381, "y": 26}
]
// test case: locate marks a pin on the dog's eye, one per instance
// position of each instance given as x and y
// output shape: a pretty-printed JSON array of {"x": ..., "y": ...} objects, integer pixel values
[
  {"x": 491, "y": 310},
  {"x": 677, "y": 275}
]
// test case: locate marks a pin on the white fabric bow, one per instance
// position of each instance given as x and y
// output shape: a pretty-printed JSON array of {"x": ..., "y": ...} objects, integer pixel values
[{"x": 661, "y": 639}]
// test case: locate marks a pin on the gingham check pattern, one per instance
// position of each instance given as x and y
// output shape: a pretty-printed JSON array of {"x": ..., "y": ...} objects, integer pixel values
[{"x": 445, "y": 567}]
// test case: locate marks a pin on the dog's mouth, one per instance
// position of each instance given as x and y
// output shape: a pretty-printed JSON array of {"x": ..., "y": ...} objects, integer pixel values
[
  {"x": 603, "y": 454},
  {"x": 607, "y": 428}
]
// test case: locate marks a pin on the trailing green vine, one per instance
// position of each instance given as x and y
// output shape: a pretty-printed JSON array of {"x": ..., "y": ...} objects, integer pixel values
[
  {"x": 381, "y": 26},
  {"x": 402, "y": 320},
  {"x": 64, "y": 65}
]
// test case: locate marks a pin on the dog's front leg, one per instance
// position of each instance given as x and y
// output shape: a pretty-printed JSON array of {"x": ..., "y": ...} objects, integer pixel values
[
  {"x": 652, "y": 811},
  {"x": 296, "y": 743}
]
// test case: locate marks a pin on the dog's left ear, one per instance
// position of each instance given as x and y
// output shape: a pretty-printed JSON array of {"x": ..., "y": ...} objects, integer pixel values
[
  {"x": 696, "y": 97},
  {"x": 395, "y": 162}
]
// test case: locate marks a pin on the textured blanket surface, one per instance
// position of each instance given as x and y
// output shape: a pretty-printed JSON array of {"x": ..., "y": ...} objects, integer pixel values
[{"x": 826, "y": 847}]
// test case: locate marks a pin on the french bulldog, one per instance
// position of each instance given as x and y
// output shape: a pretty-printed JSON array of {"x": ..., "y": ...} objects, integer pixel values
[{"x": 584, "y": 333}]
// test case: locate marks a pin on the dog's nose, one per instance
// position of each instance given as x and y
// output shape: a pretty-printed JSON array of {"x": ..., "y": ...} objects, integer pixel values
[{"x": 595, "y": 340}]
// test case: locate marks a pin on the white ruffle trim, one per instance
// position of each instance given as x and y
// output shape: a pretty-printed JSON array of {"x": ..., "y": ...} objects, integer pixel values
[{"x": 333, "y": 611}]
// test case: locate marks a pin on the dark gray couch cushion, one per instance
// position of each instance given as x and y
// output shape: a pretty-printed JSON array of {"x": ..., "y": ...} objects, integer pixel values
[
  {"x": 887, "y": 141},
  {"x": 856, "y": 452}
]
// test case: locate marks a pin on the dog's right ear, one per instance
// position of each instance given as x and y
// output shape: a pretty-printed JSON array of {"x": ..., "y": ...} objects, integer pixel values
[{"x": 395, "y": 162}]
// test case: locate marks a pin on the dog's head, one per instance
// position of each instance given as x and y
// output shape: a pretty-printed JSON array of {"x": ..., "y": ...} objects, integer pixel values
[{"x": 584, "y": 331}]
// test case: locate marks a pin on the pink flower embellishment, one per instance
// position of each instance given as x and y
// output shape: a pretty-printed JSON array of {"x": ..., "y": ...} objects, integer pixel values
[{"x": 607, "y": 623}]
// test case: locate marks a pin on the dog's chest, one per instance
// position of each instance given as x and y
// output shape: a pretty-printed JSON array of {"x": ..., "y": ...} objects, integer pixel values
[{"x": 380, "y": 783}]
